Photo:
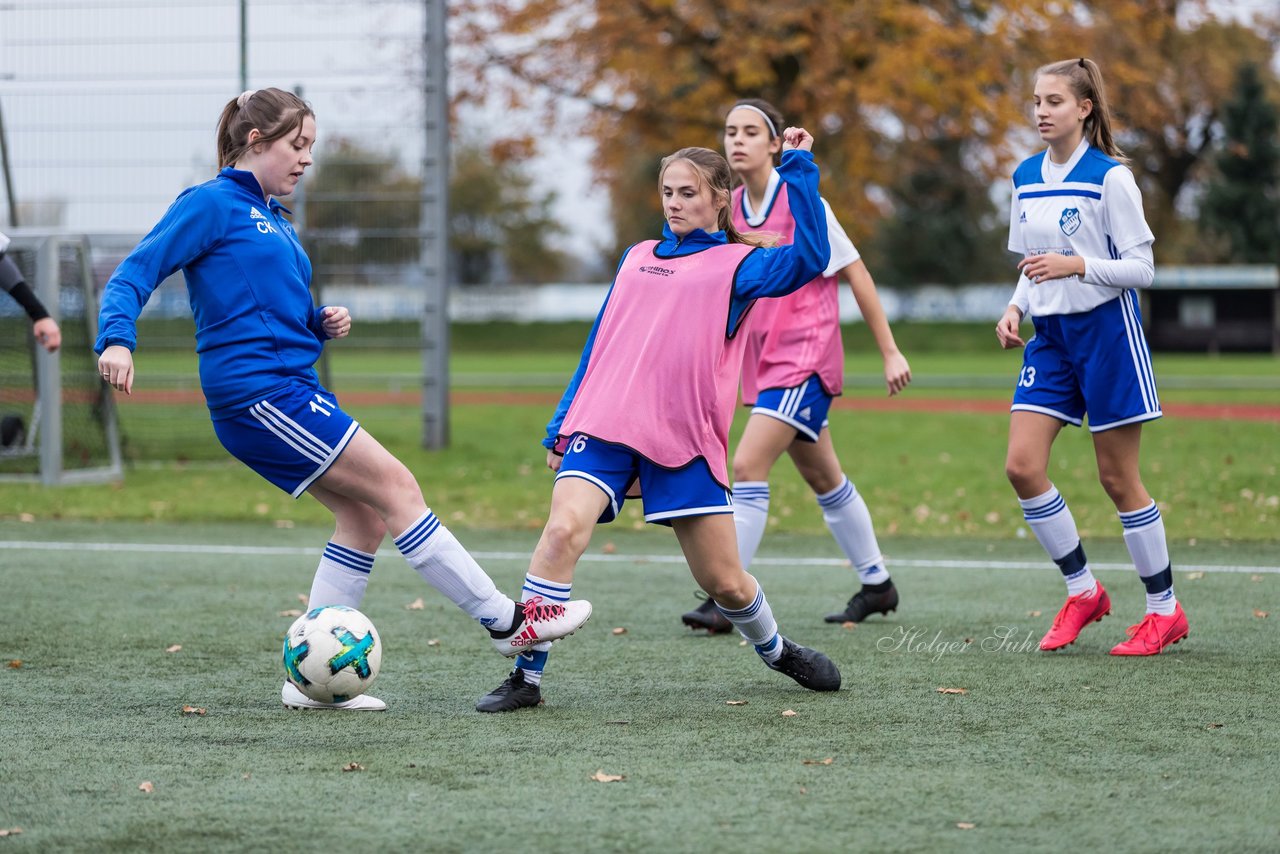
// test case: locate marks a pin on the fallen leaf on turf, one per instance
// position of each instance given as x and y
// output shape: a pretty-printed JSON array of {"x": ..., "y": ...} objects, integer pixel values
[
  {"x": 735, "y": 702},
  {"x": 291, "y": 612},
  {"x": 26, "y": 517},
  {"x": 848, "y": 624},
  {"x": 1194, "y": 576},
  {"x": 953, "y": 690},
  {"x": 177, "y": 647},
  {"x": 1261, "y": 615},
  {"x": 192, "y": 710},
  {"x": 1255, "y": 578},
  {"x": 416, "y": 605},
  {"x": 353, "y": 766},
  {"x": 619, "y": 631},
  {"x": 826, "y": 761},
  {"x": 246, "y": 776},
  {"x": 1214, "y": 726},
  {"x": 609, "y": 548},
  {"x": 304, "y": 599},
  {"x": 15, "y": 663},
  {"x": 742, "y": 643},
  {"x": 601, "y": 777},
  {"x": 433, "y": 642},
  {"x": 146, "y": 786},
  {"x": 965, "y": 825},
  {"x": 790, "y": 713},
  {"x": 1033, "y": 613},
  {"x": 10, "y": 831}
]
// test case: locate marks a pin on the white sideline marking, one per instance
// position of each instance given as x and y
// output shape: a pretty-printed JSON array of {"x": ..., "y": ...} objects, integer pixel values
[{"x": 927, "y": 563}]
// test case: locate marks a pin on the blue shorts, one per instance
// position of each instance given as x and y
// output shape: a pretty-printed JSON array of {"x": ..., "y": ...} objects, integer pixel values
[
  {"x": 1094, "y": 362},
  {"x": 291, "y": 437},
  {"x": 667, "y": 493},
  {"x": 803, "y": 407}
]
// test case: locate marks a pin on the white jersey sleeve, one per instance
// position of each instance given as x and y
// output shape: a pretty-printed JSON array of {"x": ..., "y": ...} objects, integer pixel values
[
  {"x": 1135, "y": 268},
  {"x": 1122, "y": 208},
  {"x": 1015, "y": 222},
  {"x": 843, "y": 252}
]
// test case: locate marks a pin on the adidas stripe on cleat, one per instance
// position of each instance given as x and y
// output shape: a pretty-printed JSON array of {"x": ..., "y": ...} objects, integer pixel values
[{"x": 539, "y": 621}]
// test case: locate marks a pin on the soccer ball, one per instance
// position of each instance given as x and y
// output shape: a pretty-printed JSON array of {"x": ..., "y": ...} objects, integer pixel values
[{"x": 332, "y": 653}]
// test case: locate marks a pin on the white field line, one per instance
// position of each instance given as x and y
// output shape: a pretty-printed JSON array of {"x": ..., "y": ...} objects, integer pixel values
[{"x": 927, "y": 563}]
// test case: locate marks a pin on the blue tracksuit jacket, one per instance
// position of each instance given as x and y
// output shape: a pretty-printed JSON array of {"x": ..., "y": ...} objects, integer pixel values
[{"x": 248, "y": 279}]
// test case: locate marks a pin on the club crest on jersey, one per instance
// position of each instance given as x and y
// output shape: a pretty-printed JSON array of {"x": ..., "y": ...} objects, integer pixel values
[{"x": 1069, "y": 222}]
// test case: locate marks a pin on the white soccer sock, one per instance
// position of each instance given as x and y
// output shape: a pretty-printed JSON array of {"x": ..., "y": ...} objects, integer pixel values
[
  {"x": 750, "y": 516},
  {"x": 1144, "y": 537},
  {"x": 534, "y": 662},
  {"x": 1054, "y": 526},
  {"x": 755, "y": 623},
  {"x": 435, "y": 554},
  {"x": 849, "y": 520},
  {"x": 341, "y": 577}
]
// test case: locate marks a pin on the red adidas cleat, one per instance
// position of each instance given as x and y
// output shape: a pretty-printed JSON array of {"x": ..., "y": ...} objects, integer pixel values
[
  {"x": 1079, "y": 611},
  {"x": 1154, "y": 634}
]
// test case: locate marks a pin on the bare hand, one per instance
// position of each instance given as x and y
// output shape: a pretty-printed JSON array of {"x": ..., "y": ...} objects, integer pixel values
[
  {"x": 897, "y": 373},
  {"x": 47, "y": 333},
  {"x": 1051, "y": 265},
  {"x": 116, "y": 367},
  {"x": 554, "y": 460},
  {"x": 797, "y": 138},
  {"x": 336, "y": 321},
  {"x": 1007, "y": 329}
]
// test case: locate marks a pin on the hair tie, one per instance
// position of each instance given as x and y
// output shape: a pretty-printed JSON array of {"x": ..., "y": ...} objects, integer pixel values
[
  {"x": 1082, "y": 65},
  {"x": 773, "y": 131},
  {"x": 244, "y": 97}
]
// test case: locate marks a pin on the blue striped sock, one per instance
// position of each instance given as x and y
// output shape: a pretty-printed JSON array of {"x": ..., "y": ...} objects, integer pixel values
[
  {"x": 341, "y": 577},
  {"x": 534, "y": 662}
]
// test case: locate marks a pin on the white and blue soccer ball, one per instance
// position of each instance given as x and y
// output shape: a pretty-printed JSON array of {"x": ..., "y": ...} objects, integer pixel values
[{"x": 332, "y": 653}]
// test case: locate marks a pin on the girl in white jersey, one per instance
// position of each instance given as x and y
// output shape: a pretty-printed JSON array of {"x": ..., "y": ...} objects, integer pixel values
[
  {"x": 1077, "y": 220},
  {"x": 794, "y": 367}
]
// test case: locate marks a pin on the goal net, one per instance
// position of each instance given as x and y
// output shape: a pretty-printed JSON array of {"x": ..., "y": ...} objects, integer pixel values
[{"x": 57, "y": 417}]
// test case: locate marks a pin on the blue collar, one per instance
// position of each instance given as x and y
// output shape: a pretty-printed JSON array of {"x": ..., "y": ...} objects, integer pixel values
[
  {"x": 249, "y": 181},
  {"x": 694, "y": 241}
]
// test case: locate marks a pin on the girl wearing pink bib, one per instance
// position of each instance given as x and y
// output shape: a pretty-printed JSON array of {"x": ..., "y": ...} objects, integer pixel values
[
  {"x": 793, "y": 368},
  {"x": 652, "y": 399}
]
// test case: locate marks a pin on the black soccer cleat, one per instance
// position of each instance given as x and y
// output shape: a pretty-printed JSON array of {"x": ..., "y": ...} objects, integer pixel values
[
  {"x": 810, "y": 668},
  {"x": 514, "y": 693},
  {"x": 867, "y": 601},
  {"x": 707, "y": 616}
]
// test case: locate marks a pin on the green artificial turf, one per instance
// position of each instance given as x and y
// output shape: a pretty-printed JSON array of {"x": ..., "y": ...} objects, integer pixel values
[{"x": 1072, "y": 750}]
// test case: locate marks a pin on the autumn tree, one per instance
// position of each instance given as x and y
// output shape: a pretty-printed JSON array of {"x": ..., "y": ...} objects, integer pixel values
[
  {"x": 868, "y": 76},
  {"x": 363, "y": 210},
  {"x": 1242, "y": 200},
  {"x": 879, "y": 81},
  {"x": 499, "y": 225}
]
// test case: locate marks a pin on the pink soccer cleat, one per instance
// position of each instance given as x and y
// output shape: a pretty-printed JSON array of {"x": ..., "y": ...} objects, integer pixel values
[
  {"x": 1079, "y": 611},
  {"x": 1154, "y": 634}
]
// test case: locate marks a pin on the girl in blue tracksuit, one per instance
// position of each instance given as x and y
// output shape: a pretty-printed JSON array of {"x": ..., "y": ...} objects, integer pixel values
[{"x": 258, "y": 335}]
